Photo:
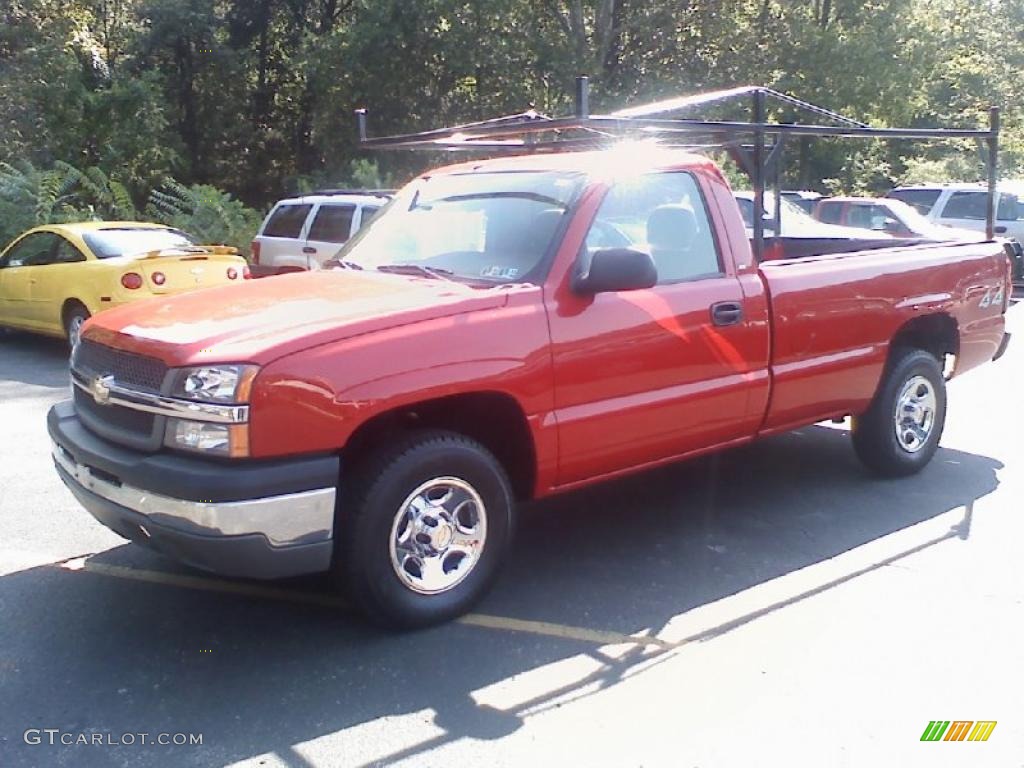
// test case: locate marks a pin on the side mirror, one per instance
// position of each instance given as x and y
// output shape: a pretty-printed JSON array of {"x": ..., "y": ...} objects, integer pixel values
[
  {"x": 892, "y": 226},
  {"x": 617, "y": 269}
]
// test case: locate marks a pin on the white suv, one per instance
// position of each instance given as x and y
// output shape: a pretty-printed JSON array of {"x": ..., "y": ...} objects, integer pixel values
[
  {"x": 964, "y": 206},
  {"x": 301, "y": 233}
]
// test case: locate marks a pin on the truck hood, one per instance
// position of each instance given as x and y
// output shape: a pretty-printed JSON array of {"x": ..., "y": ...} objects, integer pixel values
[{"x": 261, "y": 320}]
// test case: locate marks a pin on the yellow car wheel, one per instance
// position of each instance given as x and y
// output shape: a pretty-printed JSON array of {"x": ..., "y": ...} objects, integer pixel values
[{"x": 74, "y": 317}]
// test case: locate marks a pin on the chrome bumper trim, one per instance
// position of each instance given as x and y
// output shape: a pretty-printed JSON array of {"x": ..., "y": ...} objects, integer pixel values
[
  {"x": 293, "y": 518},
  {"x": 165, "y": 406}
]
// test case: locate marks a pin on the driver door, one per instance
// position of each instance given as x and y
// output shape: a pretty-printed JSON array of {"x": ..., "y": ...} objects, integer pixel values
[
  {"x": 19, "y": 269},
  {"x": 645, "y": 375}
]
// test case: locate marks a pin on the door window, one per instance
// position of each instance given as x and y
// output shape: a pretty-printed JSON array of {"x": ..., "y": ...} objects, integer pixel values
[
  {"x": 868, "y": 216},
  {"x": 66, "y": 252},
  {"x": 831, "y": 213},
  {"x": 287, "y": 221},
  {"x": 369, "y": 211},
  {"x": 966, "y": 205},
  {"x": 31, "y": 251},
  {"x": 332, "y": 224},
  {"x": 662, "y": 214}
]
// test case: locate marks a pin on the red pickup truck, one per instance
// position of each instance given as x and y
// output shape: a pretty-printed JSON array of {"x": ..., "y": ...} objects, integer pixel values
[{"x": 505, "y": 330}]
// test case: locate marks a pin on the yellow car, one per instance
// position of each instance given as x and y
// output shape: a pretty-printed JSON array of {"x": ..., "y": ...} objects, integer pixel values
[{"x": 52, "y": 278}]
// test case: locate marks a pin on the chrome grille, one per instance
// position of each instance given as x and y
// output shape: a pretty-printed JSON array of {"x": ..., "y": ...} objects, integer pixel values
[
  {"x": 136, "y": 423},
  {"x": 127, "y": 368}
]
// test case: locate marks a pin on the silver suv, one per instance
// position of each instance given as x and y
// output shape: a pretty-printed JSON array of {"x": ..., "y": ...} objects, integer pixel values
[{"x": 301, "y": 233}]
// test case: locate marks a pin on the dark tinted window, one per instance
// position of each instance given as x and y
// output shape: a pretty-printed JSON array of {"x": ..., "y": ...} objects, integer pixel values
[
  {"x": 287, "y": 221},
  {"x": 369, "y": 211},
  {"x": 966, "y": 205},
  {"x": 830, "y": 213},
  {"x": 32, "y": 251},
  {"x": 332, "y": 223},
  {"x": 67, "y": 253},
  {"x": 922, "y": 199}
]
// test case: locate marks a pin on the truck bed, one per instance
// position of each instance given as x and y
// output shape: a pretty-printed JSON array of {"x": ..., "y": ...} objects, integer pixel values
[{"x": 835, "y": 315}]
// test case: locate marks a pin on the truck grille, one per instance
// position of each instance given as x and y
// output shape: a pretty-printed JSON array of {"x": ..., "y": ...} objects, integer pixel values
[
  {"x": 127, "y": 420},
  {"x": 127, "y": 368},
  {"x": 125, "y": 426}
]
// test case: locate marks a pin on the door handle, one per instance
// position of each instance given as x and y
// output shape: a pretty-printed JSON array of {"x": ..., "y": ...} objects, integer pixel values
[
  {"x": 309, "y": 249},
  {"x": 726, "y": 313}
]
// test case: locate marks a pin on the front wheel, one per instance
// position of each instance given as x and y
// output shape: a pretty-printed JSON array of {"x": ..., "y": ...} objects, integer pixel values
[
  {"x": 899, "y": 433},
  {"x": 424, "y": 529}
]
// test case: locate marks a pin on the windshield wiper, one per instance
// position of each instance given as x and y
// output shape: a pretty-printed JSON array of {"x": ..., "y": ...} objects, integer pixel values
[{"x": 417, "y": 269}]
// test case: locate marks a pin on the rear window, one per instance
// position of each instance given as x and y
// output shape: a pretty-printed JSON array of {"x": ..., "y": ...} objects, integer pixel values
[
  {"x": 287, "y": 221},
  {"x": 922, "y": 199},
  {"x": 108, "y": 243},
  {"x": 332, "y": 223}
]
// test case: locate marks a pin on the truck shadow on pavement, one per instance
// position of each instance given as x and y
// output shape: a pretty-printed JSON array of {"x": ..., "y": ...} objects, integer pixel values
[{"x": 88, "y": 653}]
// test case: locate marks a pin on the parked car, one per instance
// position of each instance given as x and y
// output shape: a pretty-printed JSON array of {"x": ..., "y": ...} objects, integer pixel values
[
  {"x": 53, "y": 278},
  {"x": 802, "y": 199},
  {"x": 795, "y": 222},
  {"x": 888, "y": 215},
  {"x": 301, "y": 233},
  {"x": 964, "y": 206},
  {"x": 510, "y": 329}
]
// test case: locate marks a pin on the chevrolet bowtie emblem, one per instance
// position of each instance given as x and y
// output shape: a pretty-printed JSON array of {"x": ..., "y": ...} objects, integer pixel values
[{"x": 100, "y": 389}]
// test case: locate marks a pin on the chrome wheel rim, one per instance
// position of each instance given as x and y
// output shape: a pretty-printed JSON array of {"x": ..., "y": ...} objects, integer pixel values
[
  {"x": 75, "y": 330},
  {"x": 915, "y": 414},
  {"x": 438, "y": 535}
]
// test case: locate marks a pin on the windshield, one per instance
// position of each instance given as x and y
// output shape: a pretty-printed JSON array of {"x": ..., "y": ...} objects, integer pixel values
[
  {"x": 490, "y": 227},
  {"x": 107, "y": 243}
]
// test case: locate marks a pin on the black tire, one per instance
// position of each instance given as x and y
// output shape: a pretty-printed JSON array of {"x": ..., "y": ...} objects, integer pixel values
[
  {"x": 875, "y": 437},
  {"x": 371, "y": 501},
  {"x": 74, "y": 316}
]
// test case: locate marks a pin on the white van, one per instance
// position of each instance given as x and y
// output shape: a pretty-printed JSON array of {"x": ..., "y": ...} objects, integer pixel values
[{"x": 301, "y": 233}]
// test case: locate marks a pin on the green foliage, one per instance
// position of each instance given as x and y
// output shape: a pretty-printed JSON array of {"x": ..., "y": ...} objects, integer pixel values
[
  {"x": 256, "y": 96},
  {"x": 206, "y": 212},
  {"x": 31, "y": 196}
]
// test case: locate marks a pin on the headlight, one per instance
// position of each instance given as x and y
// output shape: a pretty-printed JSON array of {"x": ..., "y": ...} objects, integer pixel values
[
  {"x": 229, "y": 440},
  {"x": 215, "y": 383},
  {"x": 222, "y": 388}
]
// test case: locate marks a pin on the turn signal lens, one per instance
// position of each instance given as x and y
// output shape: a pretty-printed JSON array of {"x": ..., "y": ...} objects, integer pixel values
[
  {"x": 158, "y": 278},
  {"x": 255, "y": 248},
  {"x": 131, "y": 280},
  {"x": 232, "y": 273}
]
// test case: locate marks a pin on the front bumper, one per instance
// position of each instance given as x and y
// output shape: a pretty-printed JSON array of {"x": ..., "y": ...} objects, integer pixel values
[{"x": 259, "y": 519}]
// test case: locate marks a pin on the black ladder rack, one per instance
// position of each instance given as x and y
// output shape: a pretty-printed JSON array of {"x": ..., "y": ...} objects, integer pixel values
[{"x": 534, "y": 132}]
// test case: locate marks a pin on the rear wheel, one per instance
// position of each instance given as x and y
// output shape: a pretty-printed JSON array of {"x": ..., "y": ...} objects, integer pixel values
[
  {"x": 899, "y": 433},
  {"x": 74, "y": 318},
  {"x": 424, "y": 529}
]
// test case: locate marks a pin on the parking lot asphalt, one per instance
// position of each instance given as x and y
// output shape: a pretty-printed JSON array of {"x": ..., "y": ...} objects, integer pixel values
[{"x": 773, "y": 605}]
